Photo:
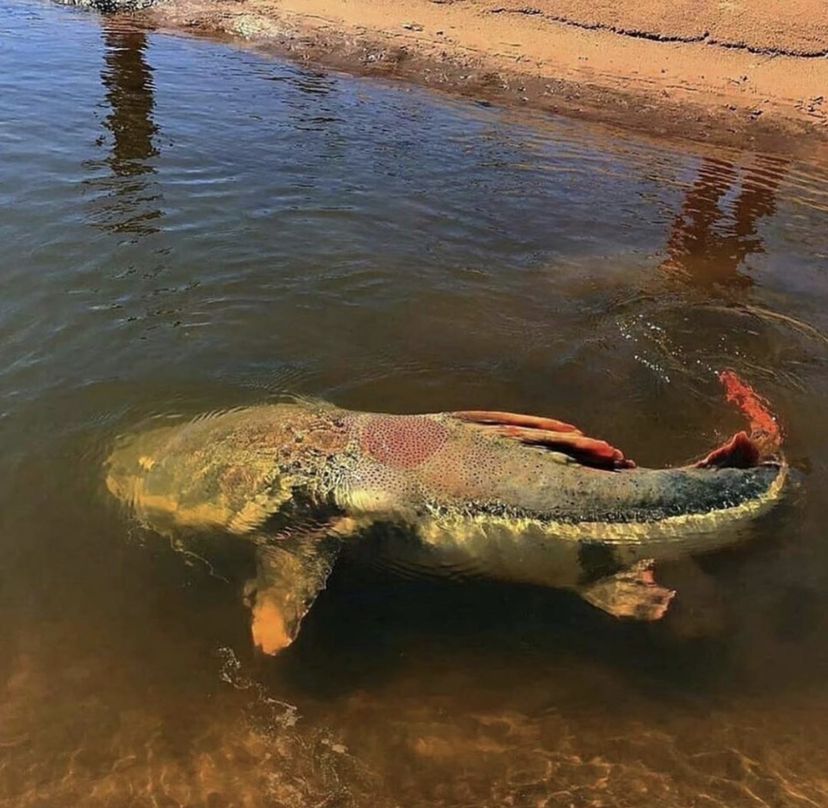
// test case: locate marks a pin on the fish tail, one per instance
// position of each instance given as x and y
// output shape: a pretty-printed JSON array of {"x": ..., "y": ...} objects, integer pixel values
[{"x": 765, "y": 430}]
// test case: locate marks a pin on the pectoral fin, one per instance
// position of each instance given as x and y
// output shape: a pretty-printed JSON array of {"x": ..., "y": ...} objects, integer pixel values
[
  {"x": 631, "y": 593},
  {"x": 290, "y": 574}
]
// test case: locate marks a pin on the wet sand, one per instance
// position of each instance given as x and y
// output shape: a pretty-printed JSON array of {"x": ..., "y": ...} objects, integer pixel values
[{"x": 733, "y": 73}]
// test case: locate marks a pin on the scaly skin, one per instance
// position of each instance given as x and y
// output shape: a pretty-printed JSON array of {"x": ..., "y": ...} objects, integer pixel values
[{"x": 462, "y": 493}]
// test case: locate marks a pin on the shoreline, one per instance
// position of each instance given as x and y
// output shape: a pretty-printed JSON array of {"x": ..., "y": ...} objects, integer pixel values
[{"x": 660, "y": 73}]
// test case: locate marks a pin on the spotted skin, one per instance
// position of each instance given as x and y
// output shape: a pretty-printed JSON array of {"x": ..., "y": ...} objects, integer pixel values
[
  {"x": 303, "y": 480},
  {"x": 402, "y": 442}
]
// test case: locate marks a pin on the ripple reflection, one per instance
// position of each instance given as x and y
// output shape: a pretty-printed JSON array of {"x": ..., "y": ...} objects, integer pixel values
[
  {"x": 130, "y": 201},
  {"x": 716, "y": 230}
]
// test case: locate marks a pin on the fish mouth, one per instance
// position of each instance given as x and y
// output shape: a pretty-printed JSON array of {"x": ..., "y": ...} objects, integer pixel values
[
  {"x": 132, "y": 458},
  {"x": 124, "y": 470}
]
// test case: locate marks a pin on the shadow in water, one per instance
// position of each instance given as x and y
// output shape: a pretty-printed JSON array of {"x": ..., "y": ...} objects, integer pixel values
[
  {"x": 716, "y": 230},
  {"x": 370, "y": 627},
  {"x": 130, "y": 199}
]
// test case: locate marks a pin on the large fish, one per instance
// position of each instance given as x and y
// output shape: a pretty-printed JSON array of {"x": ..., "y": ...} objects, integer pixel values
[{"x": 514, "y": 497}]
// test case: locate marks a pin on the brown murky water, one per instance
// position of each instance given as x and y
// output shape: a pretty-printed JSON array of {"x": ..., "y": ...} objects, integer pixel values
[{"x": 185, "y": 227}]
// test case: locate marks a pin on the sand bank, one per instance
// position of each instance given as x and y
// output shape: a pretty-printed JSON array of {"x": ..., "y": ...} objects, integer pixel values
[{"x": 750, "y": 73}]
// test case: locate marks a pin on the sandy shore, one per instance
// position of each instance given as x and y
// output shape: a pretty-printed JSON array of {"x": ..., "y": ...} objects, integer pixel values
[{"x": 749, "y": 73}]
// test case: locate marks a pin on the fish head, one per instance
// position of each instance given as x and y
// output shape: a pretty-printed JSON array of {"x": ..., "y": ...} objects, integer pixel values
[
  {"x": 229, "y": 471},
  {"x": 152, "y": 478}
]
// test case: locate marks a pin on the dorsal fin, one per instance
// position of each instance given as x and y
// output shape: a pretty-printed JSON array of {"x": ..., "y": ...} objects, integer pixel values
[
  {"x": 495, "y": 417},
  {"x": 549, "y": 433}
]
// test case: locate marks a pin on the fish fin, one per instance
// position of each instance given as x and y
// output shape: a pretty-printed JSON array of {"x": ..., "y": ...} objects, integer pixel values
[
  {"x": 740, "y": 452},
  {"x": 290, "y": 574},
  {"x": 765, "y": 431},
  {"x": 743, "y": 450},
  {"x": 631, "y": 593},
  {"x": 495, "y": 417},
  {"x": 550, "y": 434}
]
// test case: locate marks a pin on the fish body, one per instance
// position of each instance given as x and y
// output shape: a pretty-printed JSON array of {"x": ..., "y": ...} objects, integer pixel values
[{"x": 508, "y": 496}]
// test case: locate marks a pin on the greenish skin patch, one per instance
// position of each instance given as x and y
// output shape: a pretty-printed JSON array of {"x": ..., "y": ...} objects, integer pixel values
[{"x": 302, "y": 479}]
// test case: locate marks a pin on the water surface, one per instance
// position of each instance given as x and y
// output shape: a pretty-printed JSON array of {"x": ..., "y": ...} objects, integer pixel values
[{"x": 187, "y": 227}]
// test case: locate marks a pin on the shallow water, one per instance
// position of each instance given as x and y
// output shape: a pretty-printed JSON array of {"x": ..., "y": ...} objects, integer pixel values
[{"x": 186, "y": 227}]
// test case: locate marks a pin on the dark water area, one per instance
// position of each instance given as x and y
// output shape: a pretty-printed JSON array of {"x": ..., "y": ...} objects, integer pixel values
[{"x": 188, "y": 227}]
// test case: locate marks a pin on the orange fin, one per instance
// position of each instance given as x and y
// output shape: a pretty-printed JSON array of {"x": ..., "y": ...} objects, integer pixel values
[
  {"x": 631, "y": 593},
  {"x": 549, "y": 433},
  {"x": 765, "y": 431},
  {"x": 515, "y": 419},
  {"x": 745, "y": 450}
]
